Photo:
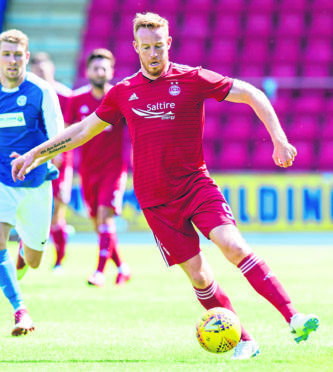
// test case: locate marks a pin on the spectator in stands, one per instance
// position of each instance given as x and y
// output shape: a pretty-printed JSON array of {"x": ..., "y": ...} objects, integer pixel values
[{"x": 163, "y": 104}]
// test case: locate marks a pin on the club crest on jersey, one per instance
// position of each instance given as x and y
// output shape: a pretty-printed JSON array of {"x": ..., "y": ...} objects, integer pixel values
[
  {"x": 174, "y": 90},
  {"x": 21, "y": 100},
  {"x": 84, "y": 109}
]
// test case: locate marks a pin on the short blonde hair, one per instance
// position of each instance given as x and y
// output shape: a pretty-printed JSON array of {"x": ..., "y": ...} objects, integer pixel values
[
  {"x": 15, "y": 37},
  {"x": 149, "y": 20}
]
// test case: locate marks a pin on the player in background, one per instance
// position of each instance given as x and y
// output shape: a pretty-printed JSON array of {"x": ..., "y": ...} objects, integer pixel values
[
  {"x": 42, "y": 65},
  {"x": 29, "y": 114},
  {"x": 102, "y": 167},
  {"x": 163, "y": 104}
]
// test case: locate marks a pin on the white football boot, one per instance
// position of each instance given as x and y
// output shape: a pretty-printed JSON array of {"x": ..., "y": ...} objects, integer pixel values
[
  {"x": 246, "y": 350},
  {"x": 97, "y": 279},
  {"x": 23, "y": 323},
  {"x": 302, "y": 325}
]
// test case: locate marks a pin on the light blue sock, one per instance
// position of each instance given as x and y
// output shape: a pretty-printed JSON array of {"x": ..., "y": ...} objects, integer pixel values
[{"x": 8, "y": 281}]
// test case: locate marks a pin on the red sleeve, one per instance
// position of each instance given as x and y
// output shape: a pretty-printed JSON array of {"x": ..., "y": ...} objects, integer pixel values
[
  {"x": 109, "y": 110},
  {"x": 63, "y": 100},
  {"x": 69, "y": 114},
  {"x": 213, "y": 85}
]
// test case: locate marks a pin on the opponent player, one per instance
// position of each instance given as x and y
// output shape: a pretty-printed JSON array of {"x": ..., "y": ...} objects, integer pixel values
[
  {"x": 29, "y": 114},
  {"x": 42, "y": 65},
  {"x": 163, "y": 105},
  {"x": 103, "y": 172}
]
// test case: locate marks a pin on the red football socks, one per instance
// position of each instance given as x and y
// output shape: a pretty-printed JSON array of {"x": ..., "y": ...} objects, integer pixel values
[
  {"x": 114, "y": 254},
  {"x": 59, "y": 237},
  {"x": 104, "y": 246},
  {"x": 214, "y": 296},
  {"x": 266, "y": 284}
]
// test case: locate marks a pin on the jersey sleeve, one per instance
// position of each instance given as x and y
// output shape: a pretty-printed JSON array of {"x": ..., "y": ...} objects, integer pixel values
[
  {"x": 213, "y": 85},
  {"x": 54, "y": 121},
  {"x": 109, "y": 110},
  {"x": 69, "y": 114}
]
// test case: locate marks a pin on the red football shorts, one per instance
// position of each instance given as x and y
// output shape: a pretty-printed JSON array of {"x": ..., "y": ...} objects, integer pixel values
[
  {"x": 106, "y": 189},
  {"x": 62, "y": 186},
  {"x": 172, "y": 223}
]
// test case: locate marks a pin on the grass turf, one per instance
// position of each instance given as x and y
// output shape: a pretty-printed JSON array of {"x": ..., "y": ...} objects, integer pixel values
[{"x": 149, "y": 324}]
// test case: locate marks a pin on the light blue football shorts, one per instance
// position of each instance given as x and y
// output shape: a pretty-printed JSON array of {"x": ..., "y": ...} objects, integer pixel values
[{"x": 29, "y": 210}]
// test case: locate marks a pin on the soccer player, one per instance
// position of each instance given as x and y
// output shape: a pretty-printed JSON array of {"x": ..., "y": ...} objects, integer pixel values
[
  {"x": 103, "y": 172},
  {"x": 163, "y": 104},
  {"x": 42, "y": 65},
  {"x": 29, "y": 115}
]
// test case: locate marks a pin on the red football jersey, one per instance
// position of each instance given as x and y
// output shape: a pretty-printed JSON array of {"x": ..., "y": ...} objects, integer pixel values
[
  {"x": 165, "y": 118},
  {"x": 64, "y": 94},
  {"x": 104, "y": 152}
]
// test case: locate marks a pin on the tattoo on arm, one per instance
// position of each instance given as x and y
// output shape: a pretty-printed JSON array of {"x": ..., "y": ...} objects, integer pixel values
[{"x": 56, "y": 147}]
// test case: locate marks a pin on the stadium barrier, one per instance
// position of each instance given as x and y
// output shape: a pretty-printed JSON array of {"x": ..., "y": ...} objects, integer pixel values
[{"x": 260, "y": 202}]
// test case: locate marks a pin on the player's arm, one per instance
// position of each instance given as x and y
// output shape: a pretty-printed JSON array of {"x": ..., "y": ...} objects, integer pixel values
[
  {"x": 73, "y": 136},
  {"x": 242, "y": 92}
]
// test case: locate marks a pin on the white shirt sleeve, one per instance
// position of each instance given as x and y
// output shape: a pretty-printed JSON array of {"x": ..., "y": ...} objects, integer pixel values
[{"x": 54, "y": 121}]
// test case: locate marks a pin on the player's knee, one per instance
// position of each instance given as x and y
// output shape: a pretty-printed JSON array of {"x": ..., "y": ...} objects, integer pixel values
[
  {"x": 235, "y": 252},
  {"x": 33, "y": 262},
  {"x": 201, "y": 279},
  {"x": 34, "y": 265}
]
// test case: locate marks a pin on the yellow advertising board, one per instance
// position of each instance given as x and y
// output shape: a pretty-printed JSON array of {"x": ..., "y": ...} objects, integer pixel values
[{"x": 269, "y": 202}]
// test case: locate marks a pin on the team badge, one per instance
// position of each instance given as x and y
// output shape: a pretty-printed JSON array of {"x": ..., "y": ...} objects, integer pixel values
[
  {"x": 21, "y": 100},
  {"x": 84, "y": 109},
  {"x": 174, "y": 90}
]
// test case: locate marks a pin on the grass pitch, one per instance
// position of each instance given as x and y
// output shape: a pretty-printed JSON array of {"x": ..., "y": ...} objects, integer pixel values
[{"x": 149, "y": 324}]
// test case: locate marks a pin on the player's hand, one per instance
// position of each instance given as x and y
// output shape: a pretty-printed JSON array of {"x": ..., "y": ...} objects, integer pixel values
[
  {"x": 21, "y": 165},
  {"x": 284, "y": 154},
  {"x": 57, "y": 160}
]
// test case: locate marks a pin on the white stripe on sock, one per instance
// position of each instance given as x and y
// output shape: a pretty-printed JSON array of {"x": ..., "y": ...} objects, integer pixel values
[
  {"x": 247, "y": 266},
  {"x": 248, "y": 262},
  {"x": 208, "y": 293}
]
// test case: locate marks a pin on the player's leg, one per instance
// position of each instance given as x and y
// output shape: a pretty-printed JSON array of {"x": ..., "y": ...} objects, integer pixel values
[
  {"x": 210, "y": 295},
  {"x": 104, "y": 231},
  {"x": 179, "y": 244},
  {"x": 105, "y": 217},
  {"x": 262, "y": 279},
  {"x": 10, "y": 288},
  {"x": 62, "y": 188},
  {"x": 110, "y": 193},
  {"x": 10, "y": 199},
  {"x": 208, "y": 291},
  {"x": 108, "y": 248},
  {"x": 213, "y": 216},
  {"x": 27, "y": 257},
  {"x": 58, "y": 231},
  {"x": 90, "y": 189},
  {"x": 33, "y": 222}
]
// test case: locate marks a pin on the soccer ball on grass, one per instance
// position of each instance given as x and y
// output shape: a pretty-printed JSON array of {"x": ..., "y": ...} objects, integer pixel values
[{"x": 218, "y": 330}]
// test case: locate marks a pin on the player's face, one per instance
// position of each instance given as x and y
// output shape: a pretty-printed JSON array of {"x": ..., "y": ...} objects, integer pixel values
[
  {"x": 153, "y": 46},
  {"x": 43, "y": 69},
  {"x": 13, "y": 63},
  {"x": 99, "y": 72}
]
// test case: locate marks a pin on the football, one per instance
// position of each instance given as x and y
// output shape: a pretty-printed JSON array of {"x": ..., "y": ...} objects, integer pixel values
[{"x": 218, "y": 330}]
